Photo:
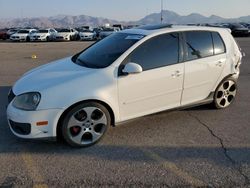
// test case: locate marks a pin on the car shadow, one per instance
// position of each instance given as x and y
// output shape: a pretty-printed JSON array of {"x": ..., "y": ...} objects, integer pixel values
[{"x": 112, "y": 152}]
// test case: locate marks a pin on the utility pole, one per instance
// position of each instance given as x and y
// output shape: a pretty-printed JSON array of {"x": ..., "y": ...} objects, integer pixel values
[{"x": 161, "y": 11}]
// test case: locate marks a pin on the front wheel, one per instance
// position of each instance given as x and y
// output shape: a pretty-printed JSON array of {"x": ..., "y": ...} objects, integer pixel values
[
  {"x": 225, "y": 93},
  {"x": 85, "y": 124}
]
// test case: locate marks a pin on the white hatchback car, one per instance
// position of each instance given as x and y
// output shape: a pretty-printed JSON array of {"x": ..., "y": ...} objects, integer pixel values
[{"x": 129, "y": 74}]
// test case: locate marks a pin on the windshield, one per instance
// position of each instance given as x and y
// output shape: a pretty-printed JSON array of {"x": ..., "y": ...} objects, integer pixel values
[
  {"x": 109, "y": 29},
  {"x": 237, "y": 26},
  {"x": 105, "y": 52},
  {"x": 43, "y": 31},
  {"x": 23, "y": 31},
  {"x": 63, "y": 30}
]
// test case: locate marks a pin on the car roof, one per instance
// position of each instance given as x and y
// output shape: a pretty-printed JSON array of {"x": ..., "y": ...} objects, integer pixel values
[{"x": 161, "y": 28}]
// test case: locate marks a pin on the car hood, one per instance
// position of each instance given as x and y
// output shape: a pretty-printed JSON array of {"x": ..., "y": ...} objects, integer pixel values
[
  {"x": 50, "y": 75},
  {"x": 20, "y": 34},
  {"x": 86, "y": 33},
  {"x": 39, "y": 34},
  {"x": 106, "y": 33},
  {"x": 63, "y": 34}
]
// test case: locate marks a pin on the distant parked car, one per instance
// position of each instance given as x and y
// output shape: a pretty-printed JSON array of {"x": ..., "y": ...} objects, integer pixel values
[
  {"x": 43, "y": 35},
  {"x": 238, "y": 30},
  {"x": 120, "y": 26},
  {"x": 66, "y": 34},
  {"x": 22, "y": 35},
  {"x": 107, "y": 31},
  {"x": 11, "y": 32},
  {"x": 87, "y": 35},
  {"x": 3, "y": 34}
]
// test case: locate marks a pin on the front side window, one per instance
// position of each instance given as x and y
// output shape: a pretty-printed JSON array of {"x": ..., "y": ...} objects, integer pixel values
[
  {"x": 105, "y": 52},
  {"x": 157, "y": 52},
  {"x": 199, "y": 44}
]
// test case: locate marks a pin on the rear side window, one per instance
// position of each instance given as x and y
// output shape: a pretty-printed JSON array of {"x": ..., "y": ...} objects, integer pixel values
[
  {"x": 199, "y": 44},
  {"x": 219, "y": 46},
  {"x": 157, "y": 52}
]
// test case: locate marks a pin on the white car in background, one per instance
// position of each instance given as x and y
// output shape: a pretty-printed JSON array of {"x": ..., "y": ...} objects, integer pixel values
[
  {"x": 107, "y": 31},
  {"x": 87, "y": 35},
  {"x": 127, "y": 75},
  {"x": 66, "y": 34},
  {"x": 22, "y": 35},
  {"x": 43, "y": 35}
]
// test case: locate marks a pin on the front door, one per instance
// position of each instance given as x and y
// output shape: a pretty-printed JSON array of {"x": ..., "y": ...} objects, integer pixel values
[{"x": 159, "y": 86}]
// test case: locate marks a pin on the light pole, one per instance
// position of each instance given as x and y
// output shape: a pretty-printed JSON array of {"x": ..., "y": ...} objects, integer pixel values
[{"x": 161, "y": 11}]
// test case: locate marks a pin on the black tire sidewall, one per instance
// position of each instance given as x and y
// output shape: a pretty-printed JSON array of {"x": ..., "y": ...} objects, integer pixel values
[{"x": 75, "y": 109}]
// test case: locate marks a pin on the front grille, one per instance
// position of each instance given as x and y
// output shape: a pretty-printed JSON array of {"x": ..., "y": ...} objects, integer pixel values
[
  {"x": 11, "y": 96},
  {"x": 20, "y": 128}
]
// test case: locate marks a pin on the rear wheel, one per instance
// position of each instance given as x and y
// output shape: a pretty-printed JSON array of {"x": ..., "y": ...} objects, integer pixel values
[
  {"x": 85, "y": 124},
  {"x": 225, "y": 93}
]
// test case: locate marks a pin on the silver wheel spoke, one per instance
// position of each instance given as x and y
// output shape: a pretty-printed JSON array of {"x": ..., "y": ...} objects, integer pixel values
[
  {"x": 233, "y": 93},
  {"x": 78, "y": 138},
  {"x": 95, "y": 136},
  {"x": 74, "y": 122},
  {"x": 102, "y": 120},
  {"x": 89, "y": 111},
  {"x": 231, "y": 83},
  {"x": 227, "y": 102}
]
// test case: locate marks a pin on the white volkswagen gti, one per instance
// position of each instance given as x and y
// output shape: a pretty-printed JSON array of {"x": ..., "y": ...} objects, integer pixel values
[{"x": 129, "y": 74}]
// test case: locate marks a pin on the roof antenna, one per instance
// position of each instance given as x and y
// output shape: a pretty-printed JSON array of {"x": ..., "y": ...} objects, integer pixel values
[{"x": 161, "y": 11}]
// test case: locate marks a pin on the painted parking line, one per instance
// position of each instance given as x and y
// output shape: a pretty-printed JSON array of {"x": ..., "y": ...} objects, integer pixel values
[
  {"x": 173, "y": 168},
  {"x": 33, "y": 171}
]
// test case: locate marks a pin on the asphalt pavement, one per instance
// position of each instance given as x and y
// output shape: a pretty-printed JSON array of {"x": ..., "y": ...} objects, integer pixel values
[{"x": 197, "y": 147}]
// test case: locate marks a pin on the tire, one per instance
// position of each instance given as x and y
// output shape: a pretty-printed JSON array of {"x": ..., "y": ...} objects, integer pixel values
[
  {"x": 47, "y": 39},
  {"x": 28, "y": 39},
  {"x": 225, "y": 93},
  {"x": 85, "y": 124}
]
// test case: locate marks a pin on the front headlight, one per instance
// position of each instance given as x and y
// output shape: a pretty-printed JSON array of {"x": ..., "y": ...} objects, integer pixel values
[{"x": 27, "y": 101}]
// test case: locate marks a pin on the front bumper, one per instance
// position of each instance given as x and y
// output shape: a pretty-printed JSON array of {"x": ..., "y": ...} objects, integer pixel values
[
  {"x": 62, "y": 38},
  {"x": 86, "y": 37},
  {"x": 38, "y": 39},
  {"x": 18, "y": 118}
]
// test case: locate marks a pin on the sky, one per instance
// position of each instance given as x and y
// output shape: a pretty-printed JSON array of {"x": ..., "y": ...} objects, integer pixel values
[{"x": 121, "y": 10}]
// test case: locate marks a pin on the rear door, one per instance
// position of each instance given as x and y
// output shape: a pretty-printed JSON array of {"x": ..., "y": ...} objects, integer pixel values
[{"x": 205, "y": 59}]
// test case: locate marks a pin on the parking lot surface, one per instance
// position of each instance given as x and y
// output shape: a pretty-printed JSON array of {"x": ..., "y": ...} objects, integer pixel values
[{"x": 197, "y": 147}]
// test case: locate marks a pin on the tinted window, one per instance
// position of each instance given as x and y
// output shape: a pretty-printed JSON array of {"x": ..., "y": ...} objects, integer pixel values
[
  {"x": 219, "y": 46},
  {"x": 199, "y": 44},
  {"x": 23, "y": 31},
  {"x": 63, "y": 30},
  {"x": 157, "y": 52},
  {"x": 106, "y": 51}
]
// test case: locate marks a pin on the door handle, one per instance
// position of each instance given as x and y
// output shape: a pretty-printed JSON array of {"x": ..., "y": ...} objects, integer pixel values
[
  {"x": 219, "y": 63},
  {"x": 176, "y": 74}
]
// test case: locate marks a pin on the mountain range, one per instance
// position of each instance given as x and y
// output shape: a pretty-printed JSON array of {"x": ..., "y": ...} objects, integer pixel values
[{"x": 76, "y": 21}]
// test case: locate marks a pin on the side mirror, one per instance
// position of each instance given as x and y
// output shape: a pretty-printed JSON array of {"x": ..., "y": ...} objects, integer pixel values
[{"x": 132, "y": 68}]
